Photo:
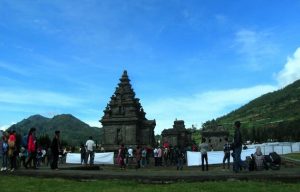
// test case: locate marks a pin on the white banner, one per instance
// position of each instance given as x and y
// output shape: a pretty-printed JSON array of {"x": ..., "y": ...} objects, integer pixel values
[
  {"x": 100, "y": 158},
  {"x": 214, "y": 157},
  {"x": 104, "y": 158},
  {"x": 73, "y": 158},
  {"x": 193, "y": 158}
]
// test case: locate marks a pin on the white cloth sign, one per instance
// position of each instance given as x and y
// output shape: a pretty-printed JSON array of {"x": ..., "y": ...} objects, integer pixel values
[
  {"x": 214, "y": 157},
  {"x": 104, "y": 158},
  {"x": 73, "y": 158},
  {"x": 193, "y": 158},
  {"x": 100, "y": 158}
]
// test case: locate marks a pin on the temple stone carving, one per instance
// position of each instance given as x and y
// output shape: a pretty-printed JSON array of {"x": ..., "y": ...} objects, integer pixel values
[
  {"x": 124, "y": 120},
  {"x": 178, "y": 135}
]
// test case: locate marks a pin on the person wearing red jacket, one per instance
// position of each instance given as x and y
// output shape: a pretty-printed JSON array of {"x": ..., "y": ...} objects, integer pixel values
[
  {"x": 31, "y": 148},
  {"x": 12, "y": 152}
]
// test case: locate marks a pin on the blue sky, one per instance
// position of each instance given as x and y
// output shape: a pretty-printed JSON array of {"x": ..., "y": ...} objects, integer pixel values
[{"x": 193, "y": 60}]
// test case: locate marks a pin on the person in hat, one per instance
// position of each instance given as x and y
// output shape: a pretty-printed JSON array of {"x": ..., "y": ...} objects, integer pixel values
[{"x": 55, "y": 148}]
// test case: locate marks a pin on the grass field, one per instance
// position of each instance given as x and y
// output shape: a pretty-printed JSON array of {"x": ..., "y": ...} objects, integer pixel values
[
  {"x": 293, "y": 156},
  {"x": 16, "y": 183}
]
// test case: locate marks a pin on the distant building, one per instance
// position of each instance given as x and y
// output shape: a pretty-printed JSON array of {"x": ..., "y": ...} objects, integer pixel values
[
  {"x": 178, "y": 135},
  {"x": 215, "y": 137},
  {"x": 124, "y": 120}
]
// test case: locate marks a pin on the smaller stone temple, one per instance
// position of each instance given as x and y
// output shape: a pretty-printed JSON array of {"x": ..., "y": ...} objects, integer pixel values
[
  {"x": 215, "y": 137},
  {"x": 178, "y": 135},
  {"x": 124, "y": 120}
]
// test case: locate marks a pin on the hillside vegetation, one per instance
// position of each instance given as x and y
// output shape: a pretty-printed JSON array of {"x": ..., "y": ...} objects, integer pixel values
[
  {"x": 73, "y": 131},
  {"x": 273, "y": 116}
]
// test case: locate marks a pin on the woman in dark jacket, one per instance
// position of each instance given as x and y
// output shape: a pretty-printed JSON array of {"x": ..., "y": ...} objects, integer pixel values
[{"x": 55, "y": 148}]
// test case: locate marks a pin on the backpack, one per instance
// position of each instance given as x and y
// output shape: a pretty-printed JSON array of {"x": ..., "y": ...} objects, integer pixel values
[
  {"x": 24, "y": 141},
  {"x": 4, "y": 147},
  {"x": 276, "y": 159},
  {"x": 273, "y": 160}
]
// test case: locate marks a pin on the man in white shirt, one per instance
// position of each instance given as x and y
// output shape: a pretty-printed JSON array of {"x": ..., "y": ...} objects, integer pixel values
[
  {"x": 130, "y": 152},
  {"x": 90, "y": 144},
  {"x": 203, "y": 147},
  {"x": 130, "y": 155},
  {"x": 155, "y": 152}
]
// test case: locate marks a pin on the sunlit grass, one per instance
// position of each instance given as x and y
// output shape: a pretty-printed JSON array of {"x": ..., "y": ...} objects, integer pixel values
[{"x": 20, "y": 184}]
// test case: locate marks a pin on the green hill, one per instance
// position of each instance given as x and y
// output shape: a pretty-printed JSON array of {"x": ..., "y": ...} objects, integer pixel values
[
  {"x": 73, "y": 131},
  {"x": 273, "y": 116}
]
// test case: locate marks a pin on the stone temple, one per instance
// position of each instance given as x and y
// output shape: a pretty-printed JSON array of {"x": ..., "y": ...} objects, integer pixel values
[
  {"x": 124, "y": 120},
  {"x": 178, "y": 135},
  {"x": 215, "y": 137}
]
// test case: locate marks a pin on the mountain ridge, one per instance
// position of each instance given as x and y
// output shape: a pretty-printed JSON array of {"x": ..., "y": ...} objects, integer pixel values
[{"x": 73, "y": 130}]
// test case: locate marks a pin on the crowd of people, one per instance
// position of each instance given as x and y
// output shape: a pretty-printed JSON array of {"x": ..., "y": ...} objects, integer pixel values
[
  {"x": 167, "y": 155},
  {"x": 31, "y": 155},
  {"x": 163, "y": 156},
  {"x": 28, "y": 152}
]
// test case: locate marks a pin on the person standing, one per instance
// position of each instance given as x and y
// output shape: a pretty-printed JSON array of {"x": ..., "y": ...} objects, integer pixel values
[
  {"x": 138, "y": 157},
  {"x": 226, "y": 149},
  {"x": 4, "y": 150},
  {"x": 31, "y": 149},
  {"x": 12, "y": 151},
  {"x": 203, "y": 149},
  {"x": 237, "y": 147},
  {"x": 179, "y": 157},
  {"x": 155, "y": 154},
  {"x": 130, "y": 155},
  {"x": 144, "y": 155},
  {"x": 82, "y": 154},
  {"x": 90, "y": 144},
  {"x": 159, "y": 156},
  {"x": 55, "y": 149},
  {"x": 23, "y": 156},
  {"x": 121, "y": 156}
]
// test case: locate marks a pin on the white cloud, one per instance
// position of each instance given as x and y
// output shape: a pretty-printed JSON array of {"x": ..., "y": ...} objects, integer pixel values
[
  {"x": 291, "y": 70},
  {"x": 93, "y": 123},
  {"x": 254, "y": 46},
  {"x": 4, "y": 127},
  {"x": 36, "y": 97},
  {"x": 15, "y": 69},
  {"x": 201, "y": 107}
]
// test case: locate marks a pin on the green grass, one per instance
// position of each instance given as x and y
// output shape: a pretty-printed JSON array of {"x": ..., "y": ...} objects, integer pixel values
[
  {"x": 293, "y": 155},
  {"x": 20, "y": 184}
]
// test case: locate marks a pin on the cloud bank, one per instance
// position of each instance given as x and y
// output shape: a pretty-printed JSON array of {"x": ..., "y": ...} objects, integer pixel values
[
  {"x": 290, "y": 71},
  {"x": 201, "y": 107},
  {"x": 254, "y": 46},
  {"x": 37, "y": 97},
  {"x": 197, "y": 109}
]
